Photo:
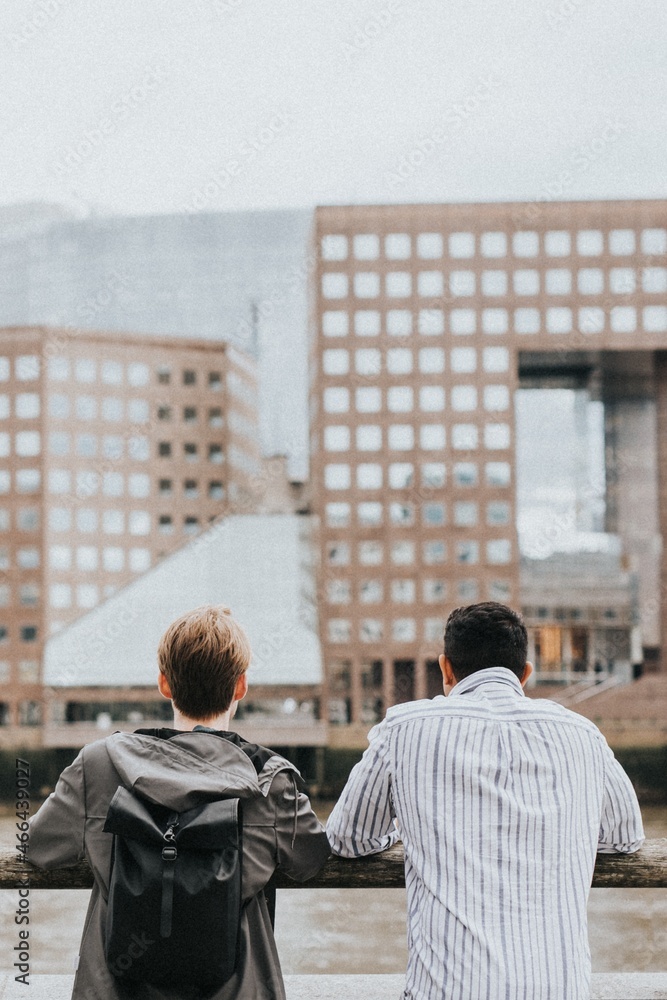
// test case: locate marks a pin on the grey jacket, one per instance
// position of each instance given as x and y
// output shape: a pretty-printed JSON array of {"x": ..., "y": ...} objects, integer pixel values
[{"x": 179, "y": 770}]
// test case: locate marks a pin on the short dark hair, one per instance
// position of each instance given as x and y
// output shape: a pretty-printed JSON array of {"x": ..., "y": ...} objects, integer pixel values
[
  {"x": 203, "y": 654},
  {"x": 485, "y": 635}
]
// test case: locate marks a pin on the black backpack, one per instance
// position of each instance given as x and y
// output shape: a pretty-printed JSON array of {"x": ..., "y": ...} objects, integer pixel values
[{"x": 174, "y": 892}]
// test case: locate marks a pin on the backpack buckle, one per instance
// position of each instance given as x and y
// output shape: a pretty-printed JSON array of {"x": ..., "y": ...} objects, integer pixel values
[{"x": 169, "y": 853}]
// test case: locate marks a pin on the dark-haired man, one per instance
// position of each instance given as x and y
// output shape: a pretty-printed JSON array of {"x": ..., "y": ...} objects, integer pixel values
[{"x": 501, "y": 802}]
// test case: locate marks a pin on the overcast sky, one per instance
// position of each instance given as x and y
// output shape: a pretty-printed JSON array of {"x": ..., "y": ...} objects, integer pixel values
[{"x": 134, "y": 107}]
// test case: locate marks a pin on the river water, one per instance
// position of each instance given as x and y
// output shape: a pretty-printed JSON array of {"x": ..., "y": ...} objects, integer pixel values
[{"x": 355, "y": 930}]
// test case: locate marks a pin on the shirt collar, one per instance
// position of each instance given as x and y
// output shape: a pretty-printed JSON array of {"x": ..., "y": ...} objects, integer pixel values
[{"x": 488, "y": 675}]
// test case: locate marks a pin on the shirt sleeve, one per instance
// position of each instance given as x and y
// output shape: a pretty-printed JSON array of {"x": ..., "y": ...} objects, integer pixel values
[
  {"x": 57, "y": 828},
  {"x": 621, "y": 827},
  {"x": 363, "y": 819}
]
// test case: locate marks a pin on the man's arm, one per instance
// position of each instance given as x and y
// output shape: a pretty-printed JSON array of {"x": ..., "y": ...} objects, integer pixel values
[
  {"x": 302, "y": 844},
  {"x": 362, "y": 821},
  {"x": 57, "y": 828},
  {"x": 621, "y": 827}
]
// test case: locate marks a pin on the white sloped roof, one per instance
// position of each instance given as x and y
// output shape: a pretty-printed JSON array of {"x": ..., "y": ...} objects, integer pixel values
[{"x": 260, "y": 566}]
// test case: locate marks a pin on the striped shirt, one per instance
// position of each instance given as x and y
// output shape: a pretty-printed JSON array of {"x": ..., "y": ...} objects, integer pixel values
[{"x": 501, "y": 802}]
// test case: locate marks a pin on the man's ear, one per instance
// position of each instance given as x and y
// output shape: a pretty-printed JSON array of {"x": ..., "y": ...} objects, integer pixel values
[
  {"x": 241, "y": 689},
  {"x": 448, "y": 678},
  {"x": 527, "y": 671},
  {"x": 163, "y": 686}
]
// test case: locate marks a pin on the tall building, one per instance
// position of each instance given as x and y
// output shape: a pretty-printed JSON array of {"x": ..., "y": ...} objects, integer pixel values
[
  {"x": 114, "y": 450},
  {"x": 425, "y": 319}
]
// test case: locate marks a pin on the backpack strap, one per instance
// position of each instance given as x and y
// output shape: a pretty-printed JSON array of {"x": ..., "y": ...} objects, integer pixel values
[{"x": 169, "y": 855}]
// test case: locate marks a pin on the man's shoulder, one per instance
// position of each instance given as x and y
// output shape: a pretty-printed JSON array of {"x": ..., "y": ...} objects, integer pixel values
[{"x": 527, "y": 710}]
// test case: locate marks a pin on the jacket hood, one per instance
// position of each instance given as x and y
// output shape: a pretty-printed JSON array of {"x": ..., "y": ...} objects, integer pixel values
[{"x": 182, "y": 771}]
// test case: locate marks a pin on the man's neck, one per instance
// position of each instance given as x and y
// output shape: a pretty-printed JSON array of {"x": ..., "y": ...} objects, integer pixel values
[{"x": 186, "y": 725}]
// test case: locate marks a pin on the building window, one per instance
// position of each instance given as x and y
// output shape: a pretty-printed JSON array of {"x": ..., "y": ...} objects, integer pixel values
[
  {"x": 27, "y": 405},
  {"x": 557, "y": 243},
  {"x": 401, "y": 475},
  {"x": 30, "y": 713},
  {"x": 366, "y": 246},
  {"x": 369, "y": 514},
  {"x": 189, "y": 377},
  {"x": 433, "y": 474},
  {"x": 370, "y": 591},
  {"x": 499, "y": 551},
  {"x": 433, "y": 514},
  {"x": 370, "y": 553},
  {"x": 191, "y": 525},
  {"x": 113, "y": 559},
  {"x": 369, "y": 476},
  {"x": 498, "y": 473},
  {"x": 137, "y": 374},
  {"x": 398, "y": 322},
  {"x": 493, "y": 245},
  {"x": 333, "y": 247},
  {"x": 367, "y": 400},
  {"x": 461, "y": 245},
  {"x": 215, "y": 453},
  {"x": 338, "y": 592},
  {"x": 139, "y": 522},
  {"x": 216, "y": 490},
  {"x": 191, "y": 489},
  {"x": 434, "y": 552},
  {"x": 336, "y": 400},
  {"x": 86, "y": 520},
  {"x": 467, "y": 590},
  {"x": 337, "y": 476},
  {"x": 27, "y": 519},
  {"x": 337, "y": 515},
  {"x": 215, "y": 418},
  {"x": 112, "y": 408},
  {"x": 398, "y": 284},
  {"x": 366, "y": 323},
  {"x": 434, "y": 590},
  {"x": 29, "y": 595},
  {"x": 339, "y": 630},
  {"x": 397, "y": 246},
  {"x": 403, "y": 630},
  {"x": 525, "y": 244},
  {"x": 165, "y": 524},
  {"x": 403, "y": 553},
  {"x": 138, "y": 484},
  {"x": 589, "y": 243},
  {"x": 462, "y": 321},
  {"x": 403, "y": 591},
  {"x": 621, "y": 242},
  {"x": 164, "y": 449},
  {"x": 338, "y": 553},
  {"x": 334, "y": 286},
  {"x": 28, "y": 633},
  {"x": 368, "y": 438},
  {"x": 370, "y": 630},
  {"x": 467, "y": 552},
  {"x": 465, "y": 513},
  {"x": 27, "y": 558},
  {"x": 112, "y": 373},
  {"x": 214, "y": 381},
  {"x": 27, "y": 368}
]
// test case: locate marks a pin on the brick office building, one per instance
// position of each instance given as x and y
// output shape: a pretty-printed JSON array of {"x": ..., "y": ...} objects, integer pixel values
[
  {"x": 114, "y": 449},
  {"x": 424, "y": 320}
]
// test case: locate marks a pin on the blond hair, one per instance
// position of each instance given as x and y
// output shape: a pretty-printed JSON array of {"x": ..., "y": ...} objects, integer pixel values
[{"x": 203, "y": 654}]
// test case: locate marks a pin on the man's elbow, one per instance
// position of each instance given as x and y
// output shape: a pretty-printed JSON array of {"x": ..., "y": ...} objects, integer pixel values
[{"x": 620, "y": 848}]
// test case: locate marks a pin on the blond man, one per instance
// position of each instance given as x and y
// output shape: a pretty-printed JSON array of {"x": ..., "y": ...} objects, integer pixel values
[{"x": 203, "y": 658}]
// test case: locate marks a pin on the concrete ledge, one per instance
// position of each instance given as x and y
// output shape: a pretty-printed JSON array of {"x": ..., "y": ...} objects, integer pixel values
[{"x": 606, "y": 986}]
